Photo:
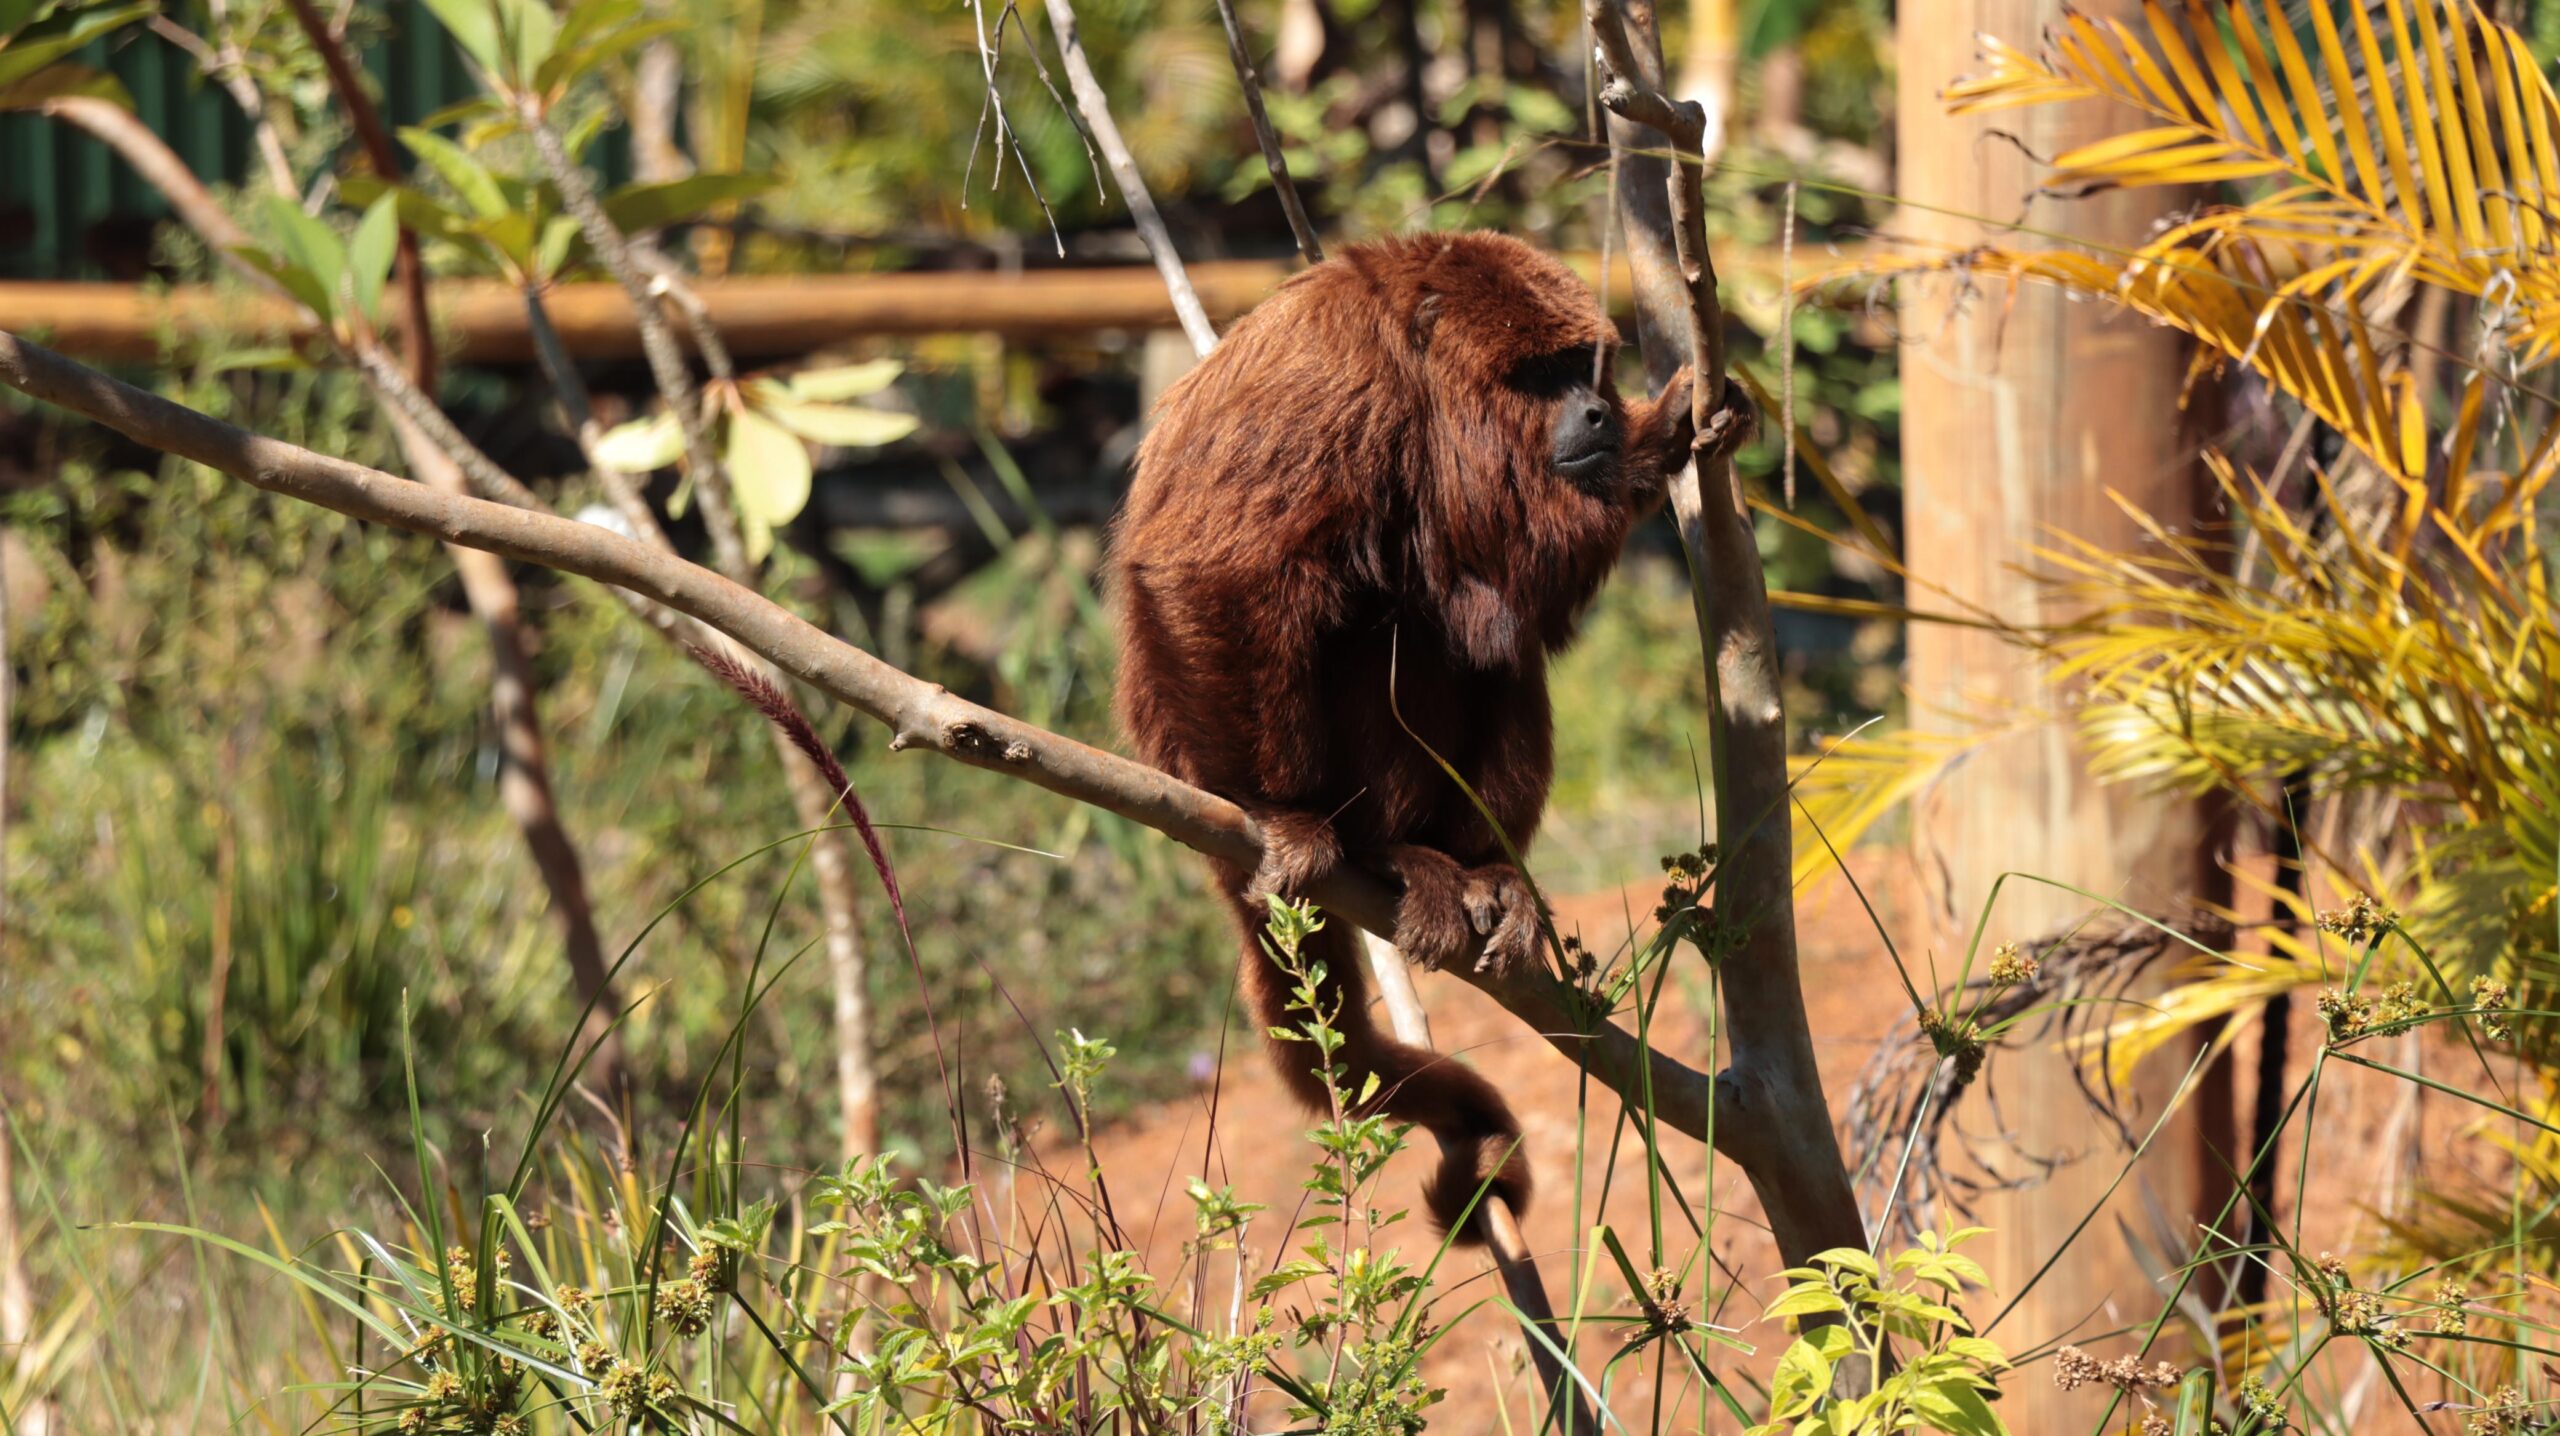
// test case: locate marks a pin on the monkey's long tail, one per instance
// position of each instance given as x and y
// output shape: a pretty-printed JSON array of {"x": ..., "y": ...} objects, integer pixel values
[{"x": 1479, "y": 1137}]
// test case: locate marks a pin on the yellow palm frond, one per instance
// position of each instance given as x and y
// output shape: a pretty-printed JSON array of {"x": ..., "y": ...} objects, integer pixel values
[
  {"x": 1844, "y": 790},
  {"x": 2414, "y": 145}
]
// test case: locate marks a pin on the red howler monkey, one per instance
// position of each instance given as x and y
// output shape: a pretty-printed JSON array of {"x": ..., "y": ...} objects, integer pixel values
[{"x": 1407, "y": 467}]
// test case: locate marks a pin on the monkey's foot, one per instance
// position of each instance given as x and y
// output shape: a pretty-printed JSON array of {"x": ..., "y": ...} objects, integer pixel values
[
  {"x": 1729, "y": 427},
  {"x": 1504, "y": 912},
  {"x": 1447, "y": 909},
  {"x": 1297, "y": 849}
]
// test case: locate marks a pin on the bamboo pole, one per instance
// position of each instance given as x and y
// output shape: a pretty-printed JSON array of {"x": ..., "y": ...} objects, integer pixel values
[{"x": 769, "y": 316}]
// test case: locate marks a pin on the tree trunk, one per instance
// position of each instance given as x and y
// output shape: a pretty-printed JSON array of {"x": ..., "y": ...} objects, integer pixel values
[{"x": 2020, "y": 413}]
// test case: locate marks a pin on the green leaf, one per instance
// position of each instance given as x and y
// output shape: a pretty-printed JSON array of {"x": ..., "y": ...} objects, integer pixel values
[
  {"x": 370, "y": 253},
  {"x": 275, "y": 357},
  {"x": 61, "y": 82},
  {"x": 842, "y": 425},
  {"x": 307, "y": 244},
  {"x": 474, "y": 27},
  {"x": 769, "y": 475},
  {"x": 1977, "y": 1351},
  {"x": 1806, "y": 1300},
  {"x": 1851, "y": 1258},
  {"x": 655, "y": 206},
  {"x": 589, "y": 20},
  {"x": 2195, "y": 1403},
  {"x": 641, "y": 446},
  {"x": 16, "y": 14},
  {"x": 455, "y": 166},
  {"x": 416, "y": 211},
  {"x": 463, "y": 113},
  {"x": 1803, "y": 1377},
  {"x": 1955, "y": 1407},
  {"x": 511, "y": 235},
  {"x": 584, "y": 132},
  {"x": 530, "y": 30},
  {"x": 58, "y": 34},
  {"x": 560, "y": 236},
  {"x": 844, "y": 381}
]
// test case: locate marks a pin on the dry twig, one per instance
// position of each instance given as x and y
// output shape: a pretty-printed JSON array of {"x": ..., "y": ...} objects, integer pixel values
[{"x": 1096, "y": 109}]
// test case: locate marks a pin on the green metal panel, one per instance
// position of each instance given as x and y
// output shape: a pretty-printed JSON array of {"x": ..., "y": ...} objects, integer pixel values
[{"x": 70, "y": 210}]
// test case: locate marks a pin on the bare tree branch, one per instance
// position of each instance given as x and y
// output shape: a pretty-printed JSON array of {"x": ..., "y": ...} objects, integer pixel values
[
  {"x": 226, "y": 66},
  {"x": 1096, "y": 109},
  {"x": 918, "y": 714},
  {"x": 657, "y": 341},
  {"x": 1272, "y": 158},
  {"x": 1392, "y": 978},
  {"x": 1773, "y": 1084},
  {"x": 524, "y": 772}
]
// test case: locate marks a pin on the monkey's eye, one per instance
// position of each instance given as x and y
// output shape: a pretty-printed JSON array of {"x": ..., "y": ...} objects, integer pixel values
[{"x": 1580, "y": 366}]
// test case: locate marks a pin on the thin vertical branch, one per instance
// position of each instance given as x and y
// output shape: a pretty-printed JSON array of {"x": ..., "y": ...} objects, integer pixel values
[
  {"x": 1791, "y": 1156},
  {"x": 667, "y": 365},
  {"x": 226, "y": 66},
  {"x": 1512, "y": 1260},
  {"x": 418, "y": 339},
  {"x": 427, "y": 438},
  {"x": 1272, "y": 157},
  {"x": 524, "y": 770},
  {"x": 1096, "y": 109},
  {"x": 1787, "y": 339},
  {"x": 813, "y": 801}
]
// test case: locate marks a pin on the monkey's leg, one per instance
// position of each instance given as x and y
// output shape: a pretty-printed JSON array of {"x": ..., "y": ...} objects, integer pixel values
[{"x": 1298, "y": 847}]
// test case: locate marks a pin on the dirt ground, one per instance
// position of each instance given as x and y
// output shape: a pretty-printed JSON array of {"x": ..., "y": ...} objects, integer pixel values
[
  {"x": 1854, "y": 1000},
  {"x": 2375, "y": 1136}
]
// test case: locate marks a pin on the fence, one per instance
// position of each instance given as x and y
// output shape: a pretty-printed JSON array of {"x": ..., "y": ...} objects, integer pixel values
[{"x": 69, "y": 209}]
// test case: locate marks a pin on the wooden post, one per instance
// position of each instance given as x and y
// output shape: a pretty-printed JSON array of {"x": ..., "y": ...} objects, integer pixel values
[{"x": 2020, "y": 413}]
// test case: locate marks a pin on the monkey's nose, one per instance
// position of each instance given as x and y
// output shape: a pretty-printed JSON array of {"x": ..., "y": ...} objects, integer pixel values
[{"x": 1595, "y": 415}]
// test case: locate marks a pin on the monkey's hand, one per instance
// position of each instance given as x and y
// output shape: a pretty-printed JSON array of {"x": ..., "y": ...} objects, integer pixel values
[
  {"x": 1729, "y": 427},
  {"x": 1447, "y": 908},
  {"x": 1297, "y": 849}
]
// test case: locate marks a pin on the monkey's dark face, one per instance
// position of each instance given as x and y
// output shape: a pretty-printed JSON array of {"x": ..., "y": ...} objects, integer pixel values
[
  {"x": 1587, "y": 429},
  {"x": 1596, "y": 441}
]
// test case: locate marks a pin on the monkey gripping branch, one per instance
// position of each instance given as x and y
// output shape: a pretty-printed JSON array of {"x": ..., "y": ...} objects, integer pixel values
[{"x": 918, "y": 714}]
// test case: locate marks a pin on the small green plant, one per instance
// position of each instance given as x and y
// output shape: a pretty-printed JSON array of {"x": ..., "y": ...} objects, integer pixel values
[{"x": 1892, "y": 1317}]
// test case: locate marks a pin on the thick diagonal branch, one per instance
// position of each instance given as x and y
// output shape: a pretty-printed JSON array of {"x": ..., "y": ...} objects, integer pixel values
[{"x": 918, "y": 714}]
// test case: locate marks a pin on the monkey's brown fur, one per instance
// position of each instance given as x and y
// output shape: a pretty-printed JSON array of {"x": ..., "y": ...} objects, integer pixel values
[{"x": 1350, "y": 545}]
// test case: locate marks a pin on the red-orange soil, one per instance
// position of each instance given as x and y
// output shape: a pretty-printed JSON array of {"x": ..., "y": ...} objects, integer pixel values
[{"x": 1853, "y": 998}]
